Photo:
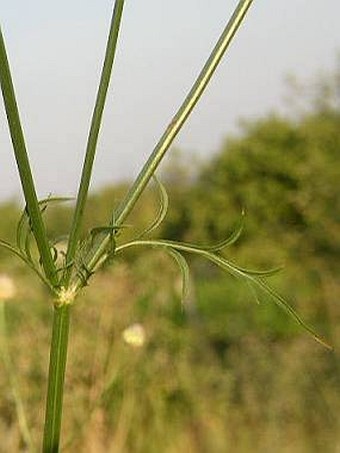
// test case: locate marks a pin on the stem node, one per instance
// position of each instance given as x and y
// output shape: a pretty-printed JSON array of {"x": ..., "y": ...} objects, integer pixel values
[{"x": 65, "y": 296}]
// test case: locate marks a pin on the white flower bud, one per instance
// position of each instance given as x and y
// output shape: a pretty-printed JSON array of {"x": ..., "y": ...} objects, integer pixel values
[{"x": 134, "y": 335}]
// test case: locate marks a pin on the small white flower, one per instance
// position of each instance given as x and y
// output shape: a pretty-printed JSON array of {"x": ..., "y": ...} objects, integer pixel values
[
  {"x": 7, "y": 287},
  {"x": 65, "y": 296},
  {"x": 134, "y": 335}
]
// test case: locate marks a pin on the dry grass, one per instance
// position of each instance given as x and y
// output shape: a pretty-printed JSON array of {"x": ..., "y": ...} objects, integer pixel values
[{"x": 176, "y": 393}]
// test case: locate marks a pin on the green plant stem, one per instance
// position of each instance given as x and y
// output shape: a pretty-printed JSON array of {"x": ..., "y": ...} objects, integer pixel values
[
  {"x": 56, "y": 376},
  {"x": 19, "y": 407},
  {"x": 174, "y": 127},
  {"x": 94, "y": 132},
  {"x": 24, "y": 168},
  {"x": 183, "y": 112}
]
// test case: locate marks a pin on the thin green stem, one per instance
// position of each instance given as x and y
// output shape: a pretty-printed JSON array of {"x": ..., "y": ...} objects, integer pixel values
[
  {"x": 24, "y": 258},
  {"x": 19, "y": 407},
  {"x": 174, "y": 127},
  {"x": 183, "y": 112},
  {"x": 56, "y": 377},
  {"x": 94, "y": 131},
  {"x": 24, "y": 168}
]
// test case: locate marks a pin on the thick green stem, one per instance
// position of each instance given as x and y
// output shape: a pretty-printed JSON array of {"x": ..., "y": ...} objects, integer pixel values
[
  {"x": 174, "y": 127},
  {"x": 94, "y": 131},
  {"x": 24, "y": 168},
  {"x": 56, "y": 376}
]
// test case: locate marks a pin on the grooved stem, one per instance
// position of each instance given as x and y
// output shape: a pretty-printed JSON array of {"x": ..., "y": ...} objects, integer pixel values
[
  {"x": 94, "y": 132},
  {"x": 56, "y": 377},
  {"x": 24, "y": 167}
]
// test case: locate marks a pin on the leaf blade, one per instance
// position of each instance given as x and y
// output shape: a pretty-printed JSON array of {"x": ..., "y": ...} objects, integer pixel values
[
  {"x": 185, "y": 272},
  {"x": 162, "y": 212}
]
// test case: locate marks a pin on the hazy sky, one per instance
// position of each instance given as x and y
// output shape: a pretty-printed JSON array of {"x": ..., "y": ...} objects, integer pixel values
[{"x": 56, "y": 48}]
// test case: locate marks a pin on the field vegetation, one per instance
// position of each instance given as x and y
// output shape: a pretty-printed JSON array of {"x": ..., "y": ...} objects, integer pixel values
[{"x": 228, "y": 371}]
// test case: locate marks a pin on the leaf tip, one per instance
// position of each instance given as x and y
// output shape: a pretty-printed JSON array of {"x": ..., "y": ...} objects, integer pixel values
[{"x": 323, "y": 342}]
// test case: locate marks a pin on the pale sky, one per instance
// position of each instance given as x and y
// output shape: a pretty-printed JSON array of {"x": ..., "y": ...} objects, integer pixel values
[{"x": 55, "y": 50}]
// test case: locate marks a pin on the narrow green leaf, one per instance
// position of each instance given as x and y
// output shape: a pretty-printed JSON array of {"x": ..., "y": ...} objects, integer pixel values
[
  {"x": 185, "y": 271},
  {"x": 28, "y": 247},
  {"x": 235, "y": 271},
  {"x": 282, "y": 303},
  {"x": 258, "y": 273},
  {"x": 24, "y": 228},
  {"x": 277, "y": 298},
  {"x": 253, "y": 292},
  {"x": 163, "y": 209},
  {"x": 13, "y": 250},
  {"x": 25, "y": 259},
  {"x": 235, "y": 235},
  {"x": 21, "y": 232}
]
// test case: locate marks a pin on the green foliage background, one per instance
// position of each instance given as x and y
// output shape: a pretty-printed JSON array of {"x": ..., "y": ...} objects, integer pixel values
[{"x": 225, "y": 373}]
